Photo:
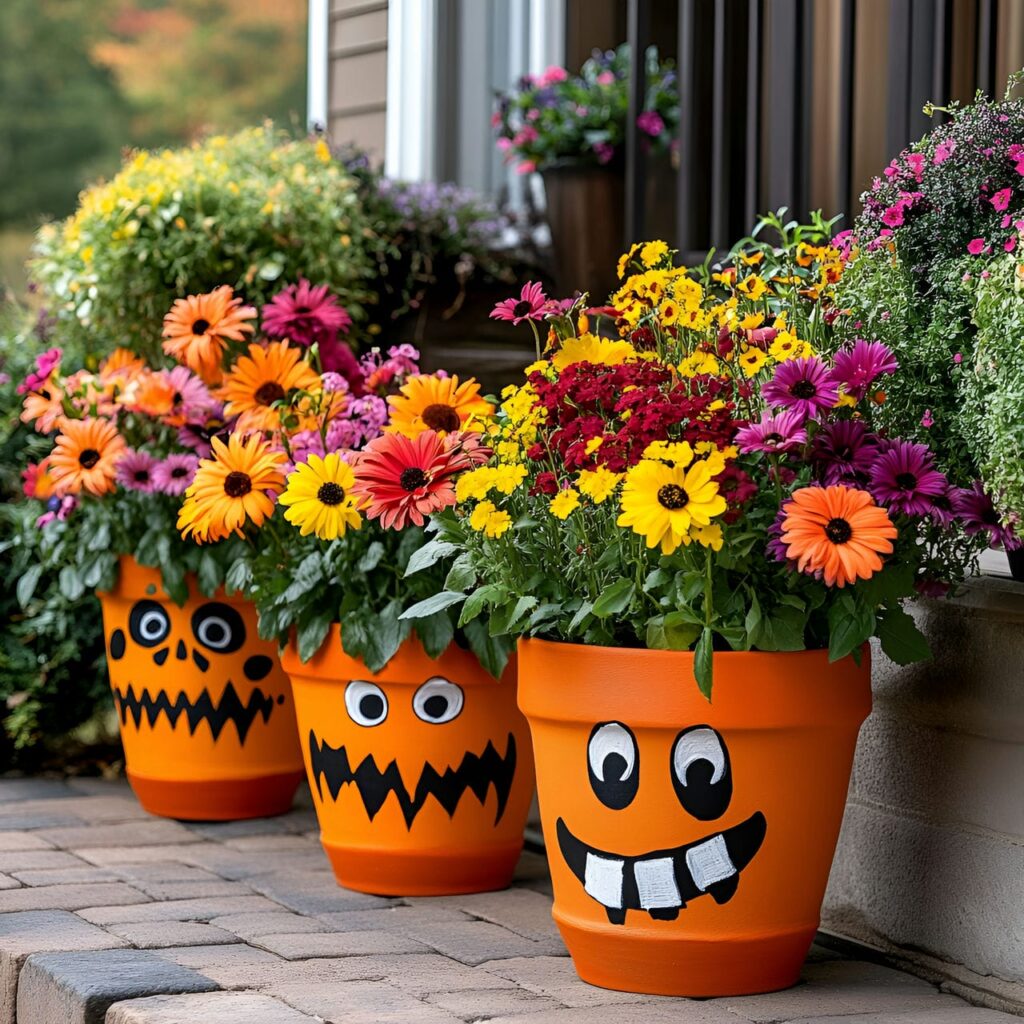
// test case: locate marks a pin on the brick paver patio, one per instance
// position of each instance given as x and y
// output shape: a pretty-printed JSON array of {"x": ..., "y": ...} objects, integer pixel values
[{"x": 110, "y": 916}]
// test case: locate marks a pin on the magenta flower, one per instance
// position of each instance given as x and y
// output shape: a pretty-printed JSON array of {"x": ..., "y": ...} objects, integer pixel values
[
  {"x": 978, "y": 514},
  {"x": 175, "y": 473},
  {"x": 650, "y": 121},
  {"x": 904, "y": 478},
  {"x": 976, "y": 246},
  {"x": 804, "y": 385},
  {"x": 305, "y": 314},
  {"x": 844, "y": 453},
  {"x": 135, "y": 471},
  {"x": 198, "y": 436},
  {"x": 1001, "y": 200},
  {"x": 781, "y": 432},
  {"x": 529, "y": 306},
  {"x": 192, "y": 398},
  {"x": 857, "y": 367},
  {"x": 336, "y": 356},
  {"x": 46, "y": 363}
]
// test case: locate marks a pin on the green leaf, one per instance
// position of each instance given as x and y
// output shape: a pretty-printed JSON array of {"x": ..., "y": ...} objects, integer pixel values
[
  {"x": 614, "y": 598},
  {"x": 462, "y": 575},
  {"x": 312, "y": 633},
  {"x": 656, "y": 578},
  {"x": 371, "y": 557},
  {"x": 436, "y": 632},
  {"x": 680, "y": 630},
  {"x": 520, "y": 609},
  {"x": 901, "y": 640},
  {"x": 238, "y": 577},
  {"x": 209, "y": 573},
  {"x": 434, "y": 603},
  {"x": 71, "y": 585},
  {"x": 582, "y": 613},
  {"x": 27, "y": 584},
  {"x": 308, "y": 574},
  {"x": 850, "y": 623},
  {"x": 490, "y": 594},
  {"x": 703, "y": 662},
  {"x": 431, "y": 552},
  {"x": 491, "y": 651}
]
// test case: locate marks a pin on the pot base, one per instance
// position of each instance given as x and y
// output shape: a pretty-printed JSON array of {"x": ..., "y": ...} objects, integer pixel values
[
  {"x": 627, "y": 961},
  {"x": 392, "y": 872},
  {"x": 262, "y": 796}
]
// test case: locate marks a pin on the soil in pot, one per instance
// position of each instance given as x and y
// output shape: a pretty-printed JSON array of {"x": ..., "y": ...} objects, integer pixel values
[
  {"x": 690, "y": 842},
  {"x": 205, "y": 710},
  {"x": 422, "y": 773}
]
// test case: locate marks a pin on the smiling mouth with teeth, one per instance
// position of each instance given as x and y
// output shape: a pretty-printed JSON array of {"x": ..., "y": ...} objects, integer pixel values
[{"x": 662, "y": 882}]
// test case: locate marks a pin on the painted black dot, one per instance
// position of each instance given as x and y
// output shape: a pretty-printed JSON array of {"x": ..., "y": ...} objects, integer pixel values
[
  {"x": 280, "y": 699},
  {"x": 435, "y": 706},
  {"x": 201, "y": 663},
  {"x": 161, "y": 656},
  {"x": 256, "y": 667},
  {"x": 371, "y": 706},
  {"x": 117, "y": 644}
]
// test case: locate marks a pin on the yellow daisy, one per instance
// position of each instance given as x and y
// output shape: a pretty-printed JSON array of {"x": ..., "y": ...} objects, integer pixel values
[
  {"x": 664, "y": 503},
  {"x": 588, "y": 348},
  {"x": 598, "y": 484},
  {"x": 318, "y": 497},
  {"x": 751, "y": 361},
  {"x": 563, "y": 504}
]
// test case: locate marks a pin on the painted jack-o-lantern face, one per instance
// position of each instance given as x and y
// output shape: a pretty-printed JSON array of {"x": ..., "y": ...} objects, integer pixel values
[
  {"x": 215, "y": 630},
  {"x": 435, "y": 703},
  {"x": 662, "y": 882}
]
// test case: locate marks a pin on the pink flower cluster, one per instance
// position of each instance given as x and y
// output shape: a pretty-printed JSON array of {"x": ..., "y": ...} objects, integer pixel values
[{"x": 46, "y": 363}]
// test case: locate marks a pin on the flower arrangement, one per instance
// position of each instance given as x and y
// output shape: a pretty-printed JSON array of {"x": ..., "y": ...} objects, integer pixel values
[
  {"x": 936, "y": 241},
  {"x": 683, "y": 468},
  {"x": 582, "y": 118},
  {"x": 250, "y": 211}
]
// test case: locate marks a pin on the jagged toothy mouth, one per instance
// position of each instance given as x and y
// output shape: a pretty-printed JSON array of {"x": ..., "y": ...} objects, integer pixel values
[
  {"x": 476, "y": 772},
  {"x": 664, "y": 881}
]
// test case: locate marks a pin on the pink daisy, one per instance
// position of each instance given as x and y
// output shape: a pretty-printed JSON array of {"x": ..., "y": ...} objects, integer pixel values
[{"x": 175, "y": 473}]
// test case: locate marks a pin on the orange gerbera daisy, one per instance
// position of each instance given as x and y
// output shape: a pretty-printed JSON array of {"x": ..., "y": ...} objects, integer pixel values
[
  {"x": 426, "y": 402},
  {"x": 123, "y": 363},
  {"x": 198, "y": 328},
  {"x": 44, "y": 407},
  {"x": 237, "y": 484},
  {"x": 85, "y": 456},
  {"x": 837, "y": 531},
  {"x": 151, "y": 393},
  {"x": 264, "y": 377}
]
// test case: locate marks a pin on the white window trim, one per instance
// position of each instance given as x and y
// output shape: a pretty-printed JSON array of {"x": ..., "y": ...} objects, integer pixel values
[{"x": 317, "y": 64}]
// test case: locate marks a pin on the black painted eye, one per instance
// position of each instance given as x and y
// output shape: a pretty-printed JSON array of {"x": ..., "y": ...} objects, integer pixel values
[
  {"x": 149, "y": 624},
  {"x": 438, "y": 701},
  {"x": 700, "y": 772},
  {"x": 365, "y": 703},
  {"x": 613, "y": 763},
  {"x": 218, "y": 627}
]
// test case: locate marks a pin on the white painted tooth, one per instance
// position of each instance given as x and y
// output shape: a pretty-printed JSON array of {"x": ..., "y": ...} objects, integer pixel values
[
  {"x": 603, "y": 880},
  {"x": 656, "y": 883},
  {"x": 709, "y": 862}
]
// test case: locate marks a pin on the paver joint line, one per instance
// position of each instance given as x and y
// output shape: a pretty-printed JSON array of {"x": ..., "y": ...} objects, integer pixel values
[{"x": 109, "y": 916}]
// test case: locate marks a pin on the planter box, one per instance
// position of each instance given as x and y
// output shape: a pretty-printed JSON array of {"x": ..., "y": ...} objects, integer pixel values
[{"x": 930, "y": 863}]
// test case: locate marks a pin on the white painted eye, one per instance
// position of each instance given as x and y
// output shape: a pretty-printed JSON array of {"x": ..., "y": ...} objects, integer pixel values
[
  {"x": 214, "y": 632},
  {"x": 365, "y": 703},
  {"x": 609, "y": 739},
  {"x": 701, "y": 744},
  {"x": 438, "y": 701},
  {"x": 153, "y": 626}
]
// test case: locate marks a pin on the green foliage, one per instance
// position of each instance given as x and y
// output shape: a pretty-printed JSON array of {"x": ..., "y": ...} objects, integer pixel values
[
  {"x": 254, "y": 210},
  {"x": 301, "y": 586}
]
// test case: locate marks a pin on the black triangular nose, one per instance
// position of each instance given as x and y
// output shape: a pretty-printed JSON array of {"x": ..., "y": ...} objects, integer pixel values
[{"x": 181, "y": 654}]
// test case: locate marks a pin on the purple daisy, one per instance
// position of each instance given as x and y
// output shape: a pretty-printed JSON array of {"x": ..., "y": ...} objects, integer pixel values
[
  {"x": 781, "y": 432},
  {"x": 135, "y": 471},
  {"x": 198, "y": 436},
  {"x": 844, "y": 453},
  {"x": 306, "y": 315},
  {"x": 804, "y": 385},
  {"x": 531, "y": 305},
  {"x": 979, "y": 515},
  {"x": 943, "y": 510},
  {"x": 175, "y": 473},
  {"x": 905, "y": 479},
  {"x": 192, "y": 398},
  {"x": 855, "y": 368}
]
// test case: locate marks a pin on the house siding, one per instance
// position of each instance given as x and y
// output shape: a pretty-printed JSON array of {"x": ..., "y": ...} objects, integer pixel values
[{"x": 357, "y": 75}]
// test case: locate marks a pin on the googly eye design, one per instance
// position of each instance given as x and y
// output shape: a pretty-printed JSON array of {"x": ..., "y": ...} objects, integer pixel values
[
  {"x": 613, "y": 764},
  {"x": 701, "y": 774},
  {"x": 438, "y": 701},
  {"x": 365, "y": 703},
  {"x": 149, "y": 624},
  {"x": 218, "y": 627}
]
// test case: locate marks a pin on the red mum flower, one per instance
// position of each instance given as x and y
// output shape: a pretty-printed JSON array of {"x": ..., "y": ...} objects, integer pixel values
[{"x": 406, "y": 479}]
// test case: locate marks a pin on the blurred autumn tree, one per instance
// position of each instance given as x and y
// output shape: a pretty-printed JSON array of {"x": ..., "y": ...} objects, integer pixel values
[{"x": 80, "y": 80}]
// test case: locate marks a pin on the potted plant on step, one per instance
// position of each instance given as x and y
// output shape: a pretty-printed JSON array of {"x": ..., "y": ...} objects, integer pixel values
[
  {"x": 695, "y": 528},
  {"x": 417, "y": 757}
]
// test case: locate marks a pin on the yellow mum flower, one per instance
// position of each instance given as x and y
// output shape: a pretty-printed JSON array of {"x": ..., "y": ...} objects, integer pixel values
[
  {"x": 317, "y": 497},
  {"x": 753, "y": 287},
  {"x": 508, "y": 477},
  {"x": 489, "y": 520},
  {"x": 564, "y": 503},
  {"x": 664, "y": 503},
  {"x": 752, "y": 360},
  {"x": 653, "y": 253},
  {"x": 593, "y": 444},
  {"x": 590, "y": 349},
  {"x": 675, "y": 453},
  {"x": 709, "y": 536},
  {"x": 598, "y": 484},
  {"x": 475, "y": 484}
]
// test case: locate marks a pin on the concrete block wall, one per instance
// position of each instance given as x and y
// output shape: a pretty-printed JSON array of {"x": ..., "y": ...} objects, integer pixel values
[{"x": 930, "y": 863}]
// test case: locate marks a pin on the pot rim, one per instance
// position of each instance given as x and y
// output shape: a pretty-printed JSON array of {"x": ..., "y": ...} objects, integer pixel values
[{"x": 136, "y": 581}]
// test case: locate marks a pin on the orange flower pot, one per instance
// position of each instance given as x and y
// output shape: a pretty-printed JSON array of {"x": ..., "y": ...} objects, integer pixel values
[
  {"x": 690, "y": 842},
  {"x": 421, "y": 774},
  {"x": 206, "y": 712}
]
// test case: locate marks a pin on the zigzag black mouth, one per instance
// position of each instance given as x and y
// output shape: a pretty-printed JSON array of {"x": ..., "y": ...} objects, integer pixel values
[
  {"x": 476, "y": 773},
  {"x": 662, "y": 882},
  {"x": 203, "y": 709}
]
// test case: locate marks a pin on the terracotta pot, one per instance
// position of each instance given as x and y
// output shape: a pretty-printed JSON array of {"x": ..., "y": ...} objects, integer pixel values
[
  {"x": 206, "y": 712},
  {"x": 690, "y": 842},
  {"x": 422, "y": 773}
]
